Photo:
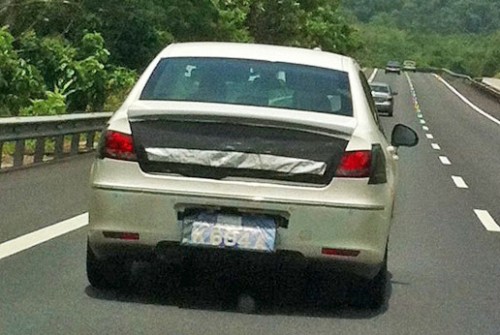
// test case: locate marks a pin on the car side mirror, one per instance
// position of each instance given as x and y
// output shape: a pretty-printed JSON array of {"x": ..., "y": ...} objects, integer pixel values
[{"x": 403, "y": 136}]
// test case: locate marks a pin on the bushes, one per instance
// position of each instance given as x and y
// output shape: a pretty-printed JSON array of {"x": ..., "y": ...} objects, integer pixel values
[
  {"x": 19, "y": 80},
  {"x": 45, "y": 76}
]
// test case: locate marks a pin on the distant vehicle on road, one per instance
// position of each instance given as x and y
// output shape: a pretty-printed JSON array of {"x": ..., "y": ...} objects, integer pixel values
[
  {"x": 383, "y": 96},
  {"x": 255, "y": 152},
  {"x": 393, "y": 67},
  {"x": 409, "y": 65}
]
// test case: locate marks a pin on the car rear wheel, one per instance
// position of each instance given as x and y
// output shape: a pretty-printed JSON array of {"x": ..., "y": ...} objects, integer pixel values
[
  {"x": 107, "y": 273},
  {"x": 372, "y": 294}
]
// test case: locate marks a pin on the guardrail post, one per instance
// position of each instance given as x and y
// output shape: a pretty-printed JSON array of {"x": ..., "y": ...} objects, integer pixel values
[
  {"x": 59, "y": 146},
  {"x": 19, "y": 153},
  {"x": 39, "y": 149},
  {"x": 89, "y": 145},
  {"x": 75, "y": 143},
  {"x": 1, "y": 153}
]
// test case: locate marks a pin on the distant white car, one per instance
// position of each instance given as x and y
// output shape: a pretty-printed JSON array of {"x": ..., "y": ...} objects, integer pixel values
[
  {"x": 246, "y": 150},
  {"x": 409, "y": 65}
]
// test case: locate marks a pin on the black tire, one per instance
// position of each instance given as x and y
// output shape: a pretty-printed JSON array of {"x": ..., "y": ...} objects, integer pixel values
[
  {"x": 372, "y": 294},
  {"x": 390, "y": 113},
  {"x": 109, "y": 273}
]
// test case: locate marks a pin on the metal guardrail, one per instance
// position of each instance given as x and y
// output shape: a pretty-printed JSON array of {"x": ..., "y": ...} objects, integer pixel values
[
  {"x": 488, "y": 90},
  {"x": 37, "y": 139}
]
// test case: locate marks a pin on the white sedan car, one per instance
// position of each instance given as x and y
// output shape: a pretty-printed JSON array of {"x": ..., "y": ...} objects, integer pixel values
[{"x": 246, "y": 150}]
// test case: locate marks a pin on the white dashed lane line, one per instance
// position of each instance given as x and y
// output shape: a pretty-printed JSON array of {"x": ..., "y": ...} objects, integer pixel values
[
  {"x": 484, "y": 216},
  {"x": 444, "y": 160},
  {"x": 487, "y": 220},
  {"x": 459, "y": 182},
  {"x": 30, "y": 240}
]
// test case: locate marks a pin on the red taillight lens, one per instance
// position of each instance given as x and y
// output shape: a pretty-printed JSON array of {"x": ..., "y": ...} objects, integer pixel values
[
  {"x": 355, "y": 164},
  {"x": 340, "y": 252},
  {"x": 121, "y": 235},
  {"x": 118, "y": 146}
]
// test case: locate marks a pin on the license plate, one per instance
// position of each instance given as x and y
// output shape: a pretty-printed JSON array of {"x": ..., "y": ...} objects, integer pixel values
[{"x": 248, "y": 232}]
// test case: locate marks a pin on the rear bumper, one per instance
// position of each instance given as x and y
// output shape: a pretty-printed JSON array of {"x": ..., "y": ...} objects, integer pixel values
[
  {"x": 173, "y": 254},
  {"x": 384, "y": 106},
  {"x": 310, "y": 228},
  {"x": 398, "y": 71}
]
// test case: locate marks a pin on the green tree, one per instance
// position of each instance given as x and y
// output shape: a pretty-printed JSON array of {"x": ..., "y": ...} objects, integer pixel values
[{"x": 19, "y": 81}]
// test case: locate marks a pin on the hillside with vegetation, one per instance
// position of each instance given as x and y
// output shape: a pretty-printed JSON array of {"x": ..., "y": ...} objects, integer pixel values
[
  {"x": 66, "y": 56},
  {"x": 462, "y": 35}
]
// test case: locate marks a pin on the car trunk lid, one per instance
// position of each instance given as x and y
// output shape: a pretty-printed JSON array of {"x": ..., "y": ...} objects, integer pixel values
[{"x": 218, "y": 145}]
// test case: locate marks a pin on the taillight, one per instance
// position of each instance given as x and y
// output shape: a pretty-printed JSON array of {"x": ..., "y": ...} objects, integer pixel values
[
  {"x": 121, "y": 235},
  {"x": 118, "y": 146},
  {"x": 355, "y": 164},
  {"x": 340, "y": 252}
]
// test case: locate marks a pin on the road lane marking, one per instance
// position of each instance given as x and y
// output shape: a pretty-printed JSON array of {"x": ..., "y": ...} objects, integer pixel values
[
  {"x": 32, "y": 239},
  {"x": 422, "y": 121},
  {"x": 429, "y": 136},
  {"x": 487, "y": 220},
  {"x": 459, "y": 182},
  {"x": 444, "y": 160},
  {"x": 435, "y": 146},
  {"x": 372, "y": 76},
  {"x": 467, "y": 101},
  {"x": 420, "y": 115},
  {"x": 425, "y": 128}
]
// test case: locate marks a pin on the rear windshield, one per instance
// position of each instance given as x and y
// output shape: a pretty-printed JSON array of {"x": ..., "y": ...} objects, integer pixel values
[
  {"x": 380, "y": 88},
  {"x": 250, "y": 82}
]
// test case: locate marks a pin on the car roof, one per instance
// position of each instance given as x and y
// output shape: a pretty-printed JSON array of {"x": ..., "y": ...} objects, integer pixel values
[
  {"x": 392, "y": 62},
  {"x": 264, "y": 52}
]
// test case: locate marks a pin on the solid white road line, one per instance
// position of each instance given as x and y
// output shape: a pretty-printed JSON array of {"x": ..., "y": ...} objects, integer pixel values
[
  {"x": 429, "y": 136},
  {"x": 372, "y": 76},
  {"x": 487, "y": 220},
  {"x": 459, "y": 182},
  {"x": 27, "y": 241},
  {"x": 464, "y": 99},
  {"x": 444, "y": 160},
  {"x": 435, "y": 146}
]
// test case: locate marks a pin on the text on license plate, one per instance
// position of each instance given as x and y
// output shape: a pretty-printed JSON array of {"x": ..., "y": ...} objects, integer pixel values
[{"x": 259, "y": 234}]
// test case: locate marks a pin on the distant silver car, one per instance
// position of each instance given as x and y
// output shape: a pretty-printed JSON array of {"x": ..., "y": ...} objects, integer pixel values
[
  {"x": 393, "y": 67},
  {"x": 246, "y": 150},
  {"x": 383, "y": 97}
]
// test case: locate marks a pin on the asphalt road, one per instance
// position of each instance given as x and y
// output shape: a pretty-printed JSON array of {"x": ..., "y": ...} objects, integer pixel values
[{"x": 444, "y": 264}]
